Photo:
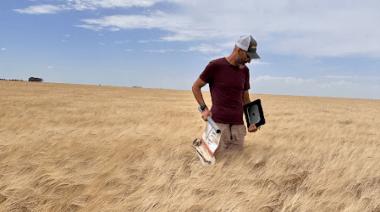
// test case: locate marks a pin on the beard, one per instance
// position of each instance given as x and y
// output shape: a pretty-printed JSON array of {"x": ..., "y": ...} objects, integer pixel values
[{"x": 240, "y": 61}]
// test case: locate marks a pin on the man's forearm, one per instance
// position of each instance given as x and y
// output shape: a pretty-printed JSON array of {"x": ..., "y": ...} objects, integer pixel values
[
  {"x": 246, "y": 98},
  {"x": 246, "y": 101},
  {"x": 198, "y": 95}
]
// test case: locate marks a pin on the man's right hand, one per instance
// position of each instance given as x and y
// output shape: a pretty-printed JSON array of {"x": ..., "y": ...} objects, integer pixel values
[
  {"x": 205, "y": 114},
  {"x": 252, "y": 128}
]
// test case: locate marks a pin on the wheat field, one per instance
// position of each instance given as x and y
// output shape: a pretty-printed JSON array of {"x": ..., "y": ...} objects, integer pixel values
[{"x": 100, "y": 148}]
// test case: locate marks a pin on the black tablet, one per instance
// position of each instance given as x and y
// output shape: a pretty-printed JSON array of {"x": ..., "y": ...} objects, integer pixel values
[{"x": 254, "y": 114}]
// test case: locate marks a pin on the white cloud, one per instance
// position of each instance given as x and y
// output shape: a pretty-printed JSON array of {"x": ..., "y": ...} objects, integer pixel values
[
  {"x": 95, "y": 4},
  {"x": 307, "y": 28},
  {"x": 149, "y": 41},
  {"x": 91, "y": 27},
  {"x": 161, "y": 51},
  {"x": 285, "y": 80},
  {"x": 158, "y": 20},
  {"x": 206, "y": 49},
  {"x": 258, "y": 62},
  {"x": 3, "y": 49},
  {"x": 121, "y": 42},
  {"x": 317, "y": 86},
  {"x": 41, "y": 9},
  {"x": 81, "y": 5},
  {"x": 352, "y": 77},
  {"x": 321, "y": 28},
  {"x": 114, "y": 29}
]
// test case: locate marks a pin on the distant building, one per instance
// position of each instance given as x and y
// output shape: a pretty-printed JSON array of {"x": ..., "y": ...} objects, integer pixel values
[{"x": 35, "y": 79}]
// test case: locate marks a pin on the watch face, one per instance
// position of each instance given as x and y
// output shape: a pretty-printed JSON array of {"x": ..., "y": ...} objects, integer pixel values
[{"x": 201, "y": 108}]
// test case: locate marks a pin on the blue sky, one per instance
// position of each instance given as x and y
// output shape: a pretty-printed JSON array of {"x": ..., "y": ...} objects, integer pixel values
[{"x": 317, "y": 48}]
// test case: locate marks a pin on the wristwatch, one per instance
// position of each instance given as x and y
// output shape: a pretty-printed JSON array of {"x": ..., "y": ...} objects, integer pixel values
[{"x": 202, "y": 107}]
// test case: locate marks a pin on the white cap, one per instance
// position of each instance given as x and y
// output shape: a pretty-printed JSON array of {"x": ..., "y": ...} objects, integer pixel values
[{"x": 248, "y": 44}]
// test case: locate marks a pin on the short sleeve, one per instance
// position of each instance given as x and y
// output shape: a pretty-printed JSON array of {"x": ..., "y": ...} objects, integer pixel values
[
  {"x": 208, "y": 73},
  {"x": 247, "y": 85}
]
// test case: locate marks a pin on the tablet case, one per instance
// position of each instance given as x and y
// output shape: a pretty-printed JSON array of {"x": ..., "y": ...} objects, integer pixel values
[{"x": 254, "y": 114}]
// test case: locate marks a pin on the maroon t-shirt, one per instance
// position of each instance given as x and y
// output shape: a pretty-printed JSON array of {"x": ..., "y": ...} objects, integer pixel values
[{"x": 227, "y": 85}]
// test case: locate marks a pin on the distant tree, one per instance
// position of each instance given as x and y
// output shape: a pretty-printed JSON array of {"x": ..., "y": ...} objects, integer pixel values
[{"x": 11, "y": 79}]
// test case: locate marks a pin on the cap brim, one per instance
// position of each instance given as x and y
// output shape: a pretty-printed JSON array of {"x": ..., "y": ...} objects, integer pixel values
[{"x": 253, "y": 55}]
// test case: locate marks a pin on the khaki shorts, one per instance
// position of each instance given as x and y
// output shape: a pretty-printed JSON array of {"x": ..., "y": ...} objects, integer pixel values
[{"x": 232, "y": 136}]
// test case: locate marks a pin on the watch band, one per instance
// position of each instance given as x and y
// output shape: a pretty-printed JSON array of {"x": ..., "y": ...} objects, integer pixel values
[{"x": 202, "y": 107}]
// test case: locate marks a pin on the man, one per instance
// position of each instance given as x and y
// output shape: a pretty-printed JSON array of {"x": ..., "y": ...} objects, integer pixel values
[{"x": 228, "y": 79}]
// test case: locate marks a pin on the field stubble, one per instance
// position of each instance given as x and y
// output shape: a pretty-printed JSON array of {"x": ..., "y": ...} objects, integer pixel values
[{"x": 97, "y": 148}]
